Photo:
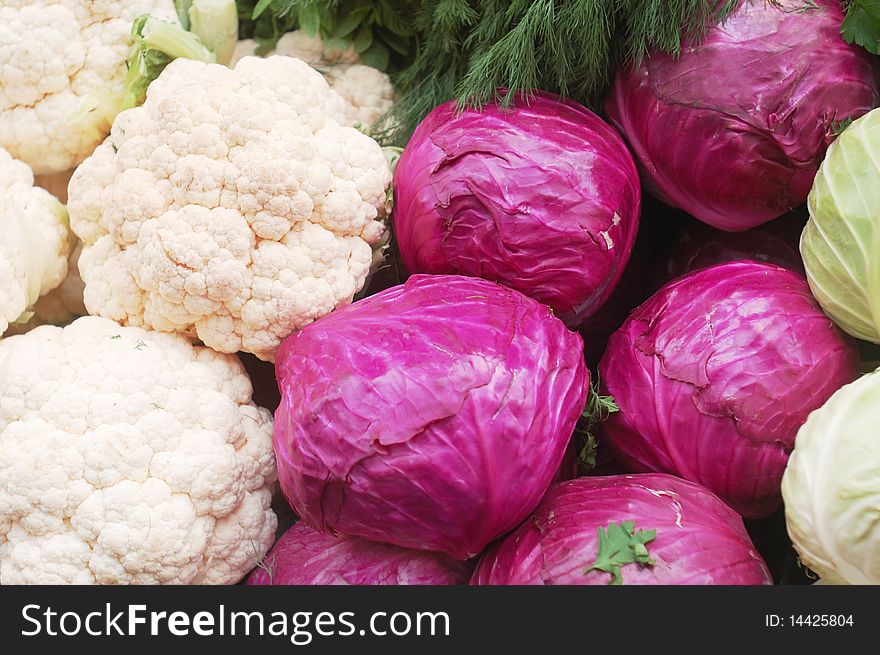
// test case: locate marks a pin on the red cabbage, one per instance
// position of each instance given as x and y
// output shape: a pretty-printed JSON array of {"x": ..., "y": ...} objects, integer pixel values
[
  {"x": 697, "y": 540},
  {"x": 542, "y": 197},
  {"x": 304, "y": 556},
  {"x": 714, "y": 375},
  {"x": 734, "y": 129},
  {"x": 432, "y": 415}
]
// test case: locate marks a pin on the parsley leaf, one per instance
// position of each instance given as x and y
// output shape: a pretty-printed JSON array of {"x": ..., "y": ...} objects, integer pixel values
[
  {"x": 587, "y": 455},
  {"x": 597, "y": 409},
  {"x": 620, "y": 545},
  {"x": 381, "y": 31},
  {"x": 862, "y": 24}
]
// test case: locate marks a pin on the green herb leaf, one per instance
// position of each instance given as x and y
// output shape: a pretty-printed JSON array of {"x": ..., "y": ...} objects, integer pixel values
[
  {"x": 467, "y": 49},
  {"x": 399, "y": 44},
  {"x": 259, "y": 8},
  {"x": 340, "y": 45},
  {"x": 619, "y": 545},
  {"x": 393, "y": 19},
  {"x": 587, "y": 454},
  {"x": 377, "y": 55},
  {"x": 862, "y": 24},
  {"x": 388, "y": 22},
  {"x": 363, "y": 39},
  {"x": 839, "y": 127},
  {"x": 350, "y": 22},
  {"x": 310, "y": 19},
  {"x": 597, "y": 409}
]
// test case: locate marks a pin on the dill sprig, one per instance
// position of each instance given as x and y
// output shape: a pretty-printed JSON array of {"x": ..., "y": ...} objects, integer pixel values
[{"x": 468, "y": 49}]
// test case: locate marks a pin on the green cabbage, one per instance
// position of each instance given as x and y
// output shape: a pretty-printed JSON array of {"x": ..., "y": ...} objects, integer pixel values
[
  {"x": 831, "y": 486},
  {"x": 841, "y": 241}
]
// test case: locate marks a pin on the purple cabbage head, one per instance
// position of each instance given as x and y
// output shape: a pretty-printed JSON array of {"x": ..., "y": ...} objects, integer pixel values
[
  {"x": 715, "y": 373},
  {"x": 542, "y": 197},
  {"x": 697, "y": 539},
  {"x": 432, "y": 415},
  {"x": 734, "y": 129},
  {"x": 304, "y": 556}
]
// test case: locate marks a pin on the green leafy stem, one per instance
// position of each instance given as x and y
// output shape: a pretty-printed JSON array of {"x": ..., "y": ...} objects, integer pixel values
[{"x": 620, "y": 544}]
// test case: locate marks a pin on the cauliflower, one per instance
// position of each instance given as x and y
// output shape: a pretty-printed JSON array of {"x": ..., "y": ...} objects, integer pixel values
[
  {"x": 369, "y": 91},
  {"x": 232, "y": 206},
  {"x": 61, "y": 305},
  {"x": 310, "y": 49},
  {"x": 54, "y": 53},
  {"x": 129, "y": 457},
  {"x": 65, "y": 302},
  {"x": 34, "y": 241}
]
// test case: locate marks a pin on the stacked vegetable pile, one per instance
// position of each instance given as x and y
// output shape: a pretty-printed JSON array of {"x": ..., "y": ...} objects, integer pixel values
[{"x": 539, "y": 292}]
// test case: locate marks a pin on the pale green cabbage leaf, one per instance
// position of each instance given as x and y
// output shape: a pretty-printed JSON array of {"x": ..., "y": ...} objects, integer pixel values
[{"x": 831, "y": 486}]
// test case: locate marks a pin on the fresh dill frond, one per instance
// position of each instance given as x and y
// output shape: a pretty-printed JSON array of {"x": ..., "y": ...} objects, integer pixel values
[{"x": 469, "y": 49}]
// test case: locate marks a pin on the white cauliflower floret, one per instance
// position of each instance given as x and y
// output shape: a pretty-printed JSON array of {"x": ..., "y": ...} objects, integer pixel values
[
  {"x": 310, "y": 49},
  {"x": 129, "y": 457},
  {"x": 367, "y": 90},
  {"x": 63, "y": 303},
  {"x": 231, "y": 206},
  {"x": 34, "y": 241},
  {"x": 54, "y": 53}
]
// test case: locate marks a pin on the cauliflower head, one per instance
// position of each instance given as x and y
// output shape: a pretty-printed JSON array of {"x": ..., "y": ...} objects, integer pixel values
[
  {"x": 311, "y": 49},
  {"x": 232, "y": 206},
  {"x": 34, "y": 241},
  {"x": 129, "y": 457},
  {"x": 62, "y": 304},
  {"x": 367, "y": 90},
  {"x": 54, "y": 53}
]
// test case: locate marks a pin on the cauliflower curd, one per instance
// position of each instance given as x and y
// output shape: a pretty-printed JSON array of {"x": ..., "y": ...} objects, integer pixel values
[
  {"x": 129, "y": 457},
  {"x": 233, "y": 206},
  {"x": 367, "y": 90},
  {"x": 62, "y": 304},
  {"x": 34, "y": 242},
  {"x": 54, "y": 53}
]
